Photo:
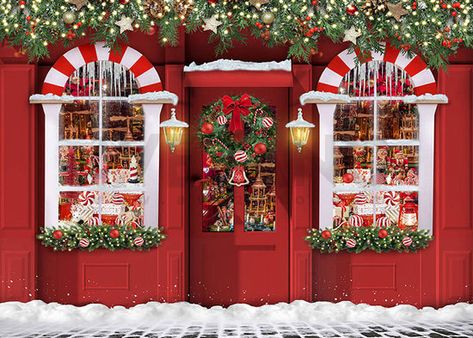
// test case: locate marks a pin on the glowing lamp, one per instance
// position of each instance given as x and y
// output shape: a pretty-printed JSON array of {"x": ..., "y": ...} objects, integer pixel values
[
  {"x": 300, "y": 130},
  {"x": 173, "y": 129},
  {"x": 408, "y": 216}
]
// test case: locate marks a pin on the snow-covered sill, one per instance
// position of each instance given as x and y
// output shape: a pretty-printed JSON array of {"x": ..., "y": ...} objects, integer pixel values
[
  {"x": 154, "y": 97},
  {"x": 233, "y": 65},
  {"x": 325, "y": 97},
  {"x": 50, "y": 98},
  {"x": 154, "y": 313}
]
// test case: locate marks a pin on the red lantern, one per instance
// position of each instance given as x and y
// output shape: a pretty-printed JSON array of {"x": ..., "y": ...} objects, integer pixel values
[{"x": 408, "y": 215}]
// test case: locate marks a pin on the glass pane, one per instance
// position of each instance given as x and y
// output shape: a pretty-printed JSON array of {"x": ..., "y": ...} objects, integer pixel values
[
  {"x": 260, "y": 196},
  {"x": 354, "y": 208},
  {"x": 397, "y": 165},
  {"x": 122, "y": 121},
  {"x": 123, "y": 165},
  {"x": 397, "y": 120},
  {"x": 122, "y": 208},
  {"x": 354, "y": 121},
  {"x": 84, "y": 81},
  {"x": 78, "y": 206},
  {"x": 400, "y": 209},
  {"x": 79, "y": 120},
  {"x": 352, "y": 166},
  {"x": 217, "y": 198},
  {"x": 78, "y": 165},
  {"x": 117, "y": 80}
]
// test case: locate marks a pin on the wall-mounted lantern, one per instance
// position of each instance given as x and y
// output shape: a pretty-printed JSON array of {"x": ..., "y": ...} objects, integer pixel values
[
  {"x": 173, "y": 130},
  {"x": 300, "y": 130}
]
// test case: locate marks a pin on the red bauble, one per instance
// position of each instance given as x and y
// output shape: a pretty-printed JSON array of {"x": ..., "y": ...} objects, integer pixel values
[
  {"x": 454, "y": 13},
  {"x": 124, "y": 2},
  {"x": 260, "y": 148},
  {"x": 351, "y": 9},
  {"x": 207, "y": 128},
  {"x": 456, "y": 5},
  {"x": 326, "y": 234},
  {"x": 212, "y": 1},
  {"x": 114, "y": 233},
  {"x": 57, "y": 234},
  {"x": 382, "y": 233},
  {"x": 151, "y": 30},
  {"x": 347, "y": 178}
]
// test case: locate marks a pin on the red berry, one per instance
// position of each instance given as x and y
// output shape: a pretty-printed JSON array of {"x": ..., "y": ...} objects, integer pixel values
[
  {"x": 79, "y": 24},
  {"x": 382, "y": 233},
  {"x": 307, "y": 18},
  {"x": 456, "y": 5},
  {"x": 57, "y": 234},
  {"x": 351, "y": 9},
  {"x": 114, "y": 233},
  {"x": 444, "y": 5},
  {"x": 326, "y": 234},
  {"x": 454, "y": 13}
]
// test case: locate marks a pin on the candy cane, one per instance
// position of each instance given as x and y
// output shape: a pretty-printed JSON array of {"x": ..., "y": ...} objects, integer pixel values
[{"x": 221, "y": 143}]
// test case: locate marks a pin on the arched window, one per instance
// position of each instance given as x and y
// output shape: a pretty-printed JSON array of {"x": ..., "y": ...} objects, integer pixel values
[
  {"x": 376, "y": 141},
  {"x": 102, "y": 137}
]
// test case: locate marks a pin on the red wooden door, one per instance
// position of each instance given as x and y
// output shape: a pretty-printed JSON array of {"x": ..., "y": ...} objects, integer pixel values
[{"x": 239, "y": 266}]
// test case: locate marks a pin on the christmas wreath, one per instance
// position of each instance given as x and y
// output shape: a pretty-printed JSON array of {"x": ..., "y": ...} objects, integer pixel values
[
  {"x": 358, "y": 239},
  {"x": 237, "y": 131},
  {"x": 81, "y": 236}
]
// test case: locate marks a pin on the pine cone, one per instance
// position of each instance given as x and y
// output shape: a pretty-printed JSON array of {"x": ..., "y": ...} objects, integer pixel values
[
  {"x": 183, "y": 7},
  {"x": 155, "y": 8},
  {"x": 372, "y": 7}
]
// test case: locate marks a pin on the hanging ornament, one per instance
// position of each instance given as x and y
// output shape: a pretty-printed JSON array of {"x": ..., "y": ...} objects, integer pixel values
[
  {"x": 69, "y": 17},
  {"x": 260, "y": 148},
  {"x": 57, "y": 234},
  {"x": 238, "y": 176},
  {"x": 351, "y": 9},
  {"x": 221, "y": 120},
  {"x": 326, "y": 234},
  {"x": 382, "y": 233},
  {"x": 267, "y": 17},
  {"x": 351, "y": 243},
  {"x": 114, "y": 233},
  {"x": 258, "y": 3},
  {"x": 397, "y": 10},
  {"x": 155, "y": 8},
  {"x": 207, "y": 128},
  {"x": 138, "y": 241},
  {"x": 211, "y": 24},
  {"x": 240, "y": 156},
  {"x": 268, "y": 122},
  {"x": 352, "y": 34},
  {"x": 84, "y": 243},
  {"x": 78, "y": 3},
  {"x": 125, "y": 24},
  {"x": 407, "y": 241},
  {"x": 151, "y": 30}
]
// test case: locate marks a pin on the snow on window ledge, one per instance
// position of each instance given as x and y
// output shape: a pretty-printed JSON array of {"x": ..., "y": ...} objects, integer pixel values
[
  {"x": 50, "y": 98},
  {"x": 426, "y": 98},
  {"x": 233, "y": 65},
  {"x": 154, "y": 97},
  {"x": 323, "y": 97}
]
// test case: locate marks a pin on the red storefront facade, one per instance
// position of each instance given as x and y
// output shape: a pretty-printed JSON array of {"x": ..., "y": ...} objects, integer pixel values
[{"x": 225, "y": 268}]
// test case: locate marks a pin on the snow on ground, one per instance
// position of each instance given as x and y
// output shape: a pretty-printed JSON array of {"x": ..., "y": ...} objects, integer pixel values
[{"x": 153, "y": 313}]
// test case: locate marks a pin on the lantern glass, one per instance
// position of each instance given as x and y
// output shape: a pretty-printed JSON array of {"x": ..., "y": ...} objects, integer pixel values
[
  {"x": 300, "y": 136},
  {"x": 173, "y": 136}
]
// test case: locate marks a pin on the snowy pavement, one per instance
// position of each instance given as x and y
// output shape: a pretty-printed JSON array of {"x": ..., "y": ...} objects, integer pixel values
[{"x": 183, "y": 320}]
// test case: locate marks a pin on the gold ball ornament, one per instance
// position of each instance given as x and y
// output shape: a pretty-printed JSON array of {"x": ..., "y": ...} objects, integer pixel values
[
  {"x": 69, "y": 17},
  {"x": 267, "y": 17}
]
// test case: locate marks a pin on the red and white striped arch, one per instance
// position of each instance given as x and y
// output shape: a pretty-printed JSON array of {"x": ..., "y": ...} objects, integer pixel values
[
  {"x": 421, "y": 77},
  {"x": 146, "y": 76}
]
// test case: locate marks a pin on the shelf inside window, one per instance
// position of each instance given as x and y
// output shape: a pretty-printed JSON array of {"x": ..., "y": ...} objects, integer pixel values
[
  {"x": 103, "y": 143},
  {"x": 353, "y": 187},
  {"x": 125, "y": 187},
  {"x": 377, "y": 143}
]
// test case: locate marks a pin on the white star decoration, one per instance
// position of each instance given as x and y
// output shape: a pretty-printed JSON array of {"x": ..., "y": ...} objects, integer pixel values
[
  {"x": 211, "y": 24},
  {"x": 351, "y": 35},
  {"x": 125, "y": 24}
]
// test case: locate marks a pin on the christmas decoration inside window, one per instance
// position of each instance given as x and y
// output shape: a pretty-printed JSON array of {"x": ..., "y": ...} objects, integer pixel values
[
  {"x": 376, "y": 150},
  {"x": 101, "y": 149}
]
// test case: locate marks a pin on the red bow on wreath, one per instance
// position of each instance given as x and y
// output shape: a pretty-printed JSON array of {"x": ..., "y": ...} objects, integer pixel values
[{"x": 237, "y": 108}]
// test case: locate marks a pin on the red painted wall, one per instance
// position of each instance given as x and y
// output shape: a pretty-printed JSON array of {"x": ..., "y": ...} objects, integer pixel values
[{"x": 439, "y": 275}]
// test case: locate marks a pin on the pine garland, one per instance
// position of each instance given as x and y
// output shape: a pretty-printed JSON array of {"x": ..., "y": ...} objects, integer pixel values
[
  {"x": 434, "y": 29},
  {"x": 358, "y": 239},
  {"x": 62, "y": 238}
]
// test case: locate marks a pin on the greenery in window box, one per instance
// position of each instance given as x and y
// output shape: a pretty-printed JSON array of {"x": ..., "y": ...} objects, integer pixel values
[
  {"x": 358, "y": 239},
  {"x": 83, "y": 237}
]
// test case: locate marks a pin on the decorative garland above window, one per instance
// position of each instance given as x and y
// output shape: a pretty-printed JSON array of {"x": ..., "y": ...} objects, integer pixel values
[
  {"x": 432, "y": 28},
  {"x": 81, "y": 236}
]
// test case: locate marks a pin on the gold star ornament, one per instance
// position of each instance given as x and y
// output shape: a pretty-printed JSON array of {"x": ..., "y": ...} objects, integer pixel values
[
  {"x": 351, "y": 35},
  {"x": 211, "y": 24},
  {"x": 397, "y": 10},
  {"x": 78, "y": 3}
]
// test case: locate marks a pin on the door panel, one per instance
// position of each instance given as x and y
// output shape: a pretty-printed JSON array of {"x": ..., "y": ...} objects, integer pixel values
[{"x": 239, "y": 266}]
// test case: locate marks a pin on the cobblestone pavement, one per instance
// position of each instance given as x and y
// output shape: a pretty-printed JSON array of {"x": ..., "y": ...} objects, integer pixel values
[{"x": 293, "y": 330}]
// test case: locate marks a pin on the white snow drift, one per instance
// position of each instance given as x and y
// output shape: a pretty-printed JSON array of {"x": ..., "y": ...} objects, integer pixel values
[{"x": 153, "y": 313}]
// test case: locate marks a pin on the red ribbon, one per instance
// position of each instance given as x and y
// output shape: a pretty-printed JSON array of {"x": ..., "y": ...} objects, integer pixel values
[{"x": 237, "y": 108}]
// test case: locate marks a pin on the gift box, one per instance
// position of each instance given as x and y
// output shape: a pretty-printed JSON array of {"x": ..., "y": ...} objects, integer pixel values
[
  {"x": 369, "y": 209},
  {"x": 118, "y": 176},
  {"x": 360, "y": 175}
]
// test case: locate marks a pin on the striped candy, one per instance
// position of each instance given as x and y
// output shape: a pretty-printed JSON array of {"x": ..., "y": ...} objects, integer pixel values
[
  {"x": 221, "y": 120},
  {"x": 118, "y": 199},
  {"x": 422, "y": 78},
  {"x": 146, "y": 76},
  {"x": 240, "y": 156},
  {"x": 391, "y": 198},
  {"x": 93, "y": 221},
  {"x": 351, "y": 243},
  {"x": 268, "y": 122},
  {"x": 138, "y": 241},
  {"x": 84, "y": 243},
  {"x": 383, "y": 222},
  {"x": 407, "y": 241},
  {"x": 360, "y": 199},
  {"x": 87, "y": 198},
  {"x": 355, "y": 220}
]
